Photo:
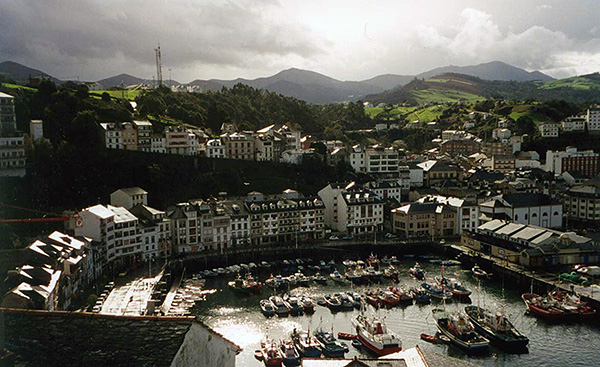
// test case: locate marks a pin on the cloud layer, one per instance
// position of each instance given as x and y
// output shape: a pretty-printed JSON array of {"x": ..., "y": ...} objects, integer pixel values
[{"x": 348, "y": 40}]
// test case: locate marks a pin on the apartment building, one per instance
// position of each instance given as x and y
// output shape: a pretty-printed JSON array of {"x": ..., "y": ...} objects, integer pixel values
[
  {"x": 389, "y": 189},
  {"x": 156, "y": 232},
  {"x": 144, "y": 135},
  {"x": 549, "y": 129},
  {"x": 593, "y": 119},
  {"x": 216, "y": 149},
  {"x": 286, "y": 219},
  {"x": 435, "y": 171},
  {"x": 582, "y": 203},
  {"x": 586, "y": 162},
  {"x": 374, "y": 159},
  {"x": 574, "y": 123},
  {"x": 460, "y": 146},
  {"x": 12, "y": 144},
  {"x": 239, "y": 145},
  {"x": 503, "y": 163},
  {"x": 129, "y": 197}
]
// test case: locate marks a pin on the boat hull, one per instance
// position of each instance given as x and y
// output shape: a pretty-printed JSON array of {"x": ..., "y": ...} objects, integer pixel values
[
  {"x": 507, "y": 344},
  {"x": 379, "y": 351}
]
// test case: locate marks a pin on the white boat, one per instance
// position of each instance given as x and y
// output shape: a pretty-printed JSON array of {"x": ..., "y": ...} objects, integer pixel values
[{"x": 374, "y": 335}]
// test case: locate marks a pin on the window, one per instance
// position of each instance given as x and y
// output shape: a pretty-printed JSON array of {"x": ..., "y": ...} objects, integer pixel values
[{"x": 517, "y": 216}]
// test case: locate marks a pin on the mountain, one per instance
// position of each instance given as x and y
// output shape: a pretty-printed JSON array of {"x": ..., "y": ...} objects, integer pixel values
[
  {"x": 21, "y": 73},
  {"x": 307, "y": 85},
  {"x": 495, "y": 70},
  {"x": 121, "y": 80},
  {"x": 389, "y": 81}
]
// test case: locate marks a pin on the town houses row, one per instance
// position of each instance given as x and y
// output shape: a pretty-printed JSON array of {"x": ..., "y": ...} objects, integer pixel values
[{"x": 589, "y": 121}]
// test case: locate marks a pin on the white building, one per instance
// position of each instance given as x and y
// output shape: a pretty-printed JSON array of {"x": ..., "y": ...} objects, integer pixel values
[
  {"x": 129, "y": 197},
  {"x": 374, "y": 159},
  {"x": 386, "y": 189},
  {"x": 549, "y": 130},
  {"x": 593, "y": 119},
  {"x": 156, "y": 232},
  {"x": 216, "y": 149},
  {"x": 97, "y": 222},
  {"x": 158, "y": 143},
  {"x": 112, "y": 135},
  {"x": 352, "y": 209},
  {"x": 574, "y": 123},
  {"x": 525, "y": 208},
  {"x": 144, "y": 135},
  {"x": 36, "y": 129},
  {"x": 12, "y": 144}
]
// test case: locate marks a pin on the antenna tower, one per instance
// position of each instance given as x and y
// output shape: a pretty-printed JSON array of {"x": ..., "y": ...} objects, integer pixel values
[{"x": 158, "y": 65}]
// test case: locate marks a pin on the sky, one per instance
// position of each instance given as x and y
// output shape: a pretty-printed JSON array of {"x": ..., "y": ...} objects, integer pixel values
[{"x": 347, "y": 40}]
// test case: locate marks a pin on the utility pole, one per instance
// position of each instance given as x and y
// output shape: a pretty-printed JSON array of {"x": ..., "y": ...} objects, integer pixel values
[{"x": 158, "y": 65}]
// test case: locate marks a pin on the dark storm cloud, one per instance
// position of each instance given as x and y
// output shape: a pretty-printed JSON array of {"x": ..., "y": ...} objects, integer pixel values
[{"x": 107, "y": 35}]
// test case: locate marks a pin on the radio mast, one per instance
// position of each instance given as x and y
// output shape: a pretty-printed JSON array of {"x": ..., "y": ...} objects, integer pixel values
[{"x": 158, "y": 65}]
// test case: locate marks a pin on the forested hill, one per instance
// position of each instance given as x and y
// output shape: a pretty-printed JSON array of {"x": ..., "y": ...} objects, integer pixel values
[{"x": 250, "y": 109}]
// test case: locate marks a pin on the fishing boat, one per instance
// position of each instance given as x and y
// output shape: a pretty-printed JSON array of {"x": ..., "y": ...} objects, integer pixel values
[
  {"x": 417, "y": 272},
  {"x": 356, "y": 299},
  {"x": 280, "y": 308},
  {"x": 293, "y": 304},
  {"x": 496, "y": 327},
  {"x": 349, "y": 263},
  {"x": 453, "y": 286},
  {"x": 271, "y": 354},
  {"x": 372, "y": 297},
  {"x": 388, "y": 298},
  {"x": 330, "y": 347},
  {"x": 302, "y": 279},
  {"x": 346, "y": 336},
  {"x": 479, "y": 273},
  {"x": 356, "y": 276},
  {"x": 346, "y": 301},
  {"x": 337, "y": 277},
  {"x": 460, "y": 331},
  {"x": 391, "y": 272},
  {"x": 420, "y": 295},
  {"x": 291, "y": 357},
  {"x": 276, "y": 282},
  {"x": 320, "y": 279},
  {"x": 405, "y": 296},
  {"x": 394, "y": 260},
  {"x": 305, "y": 344},
  {"x": 308, "y": 306},
  {"x": 430, "y": 338},
  {"x": 436, "y": 292},
  {"x": 572, "y": 304},
  {"x": 373, "y": 274},
  {"x": 332, "y": 302},
  {"x": 356, "y": 343},
  {"x": 374, "y": 334},
  {"x": 247, "y": 285},
  {"x": 267, "y": 308},
  {"x": 373, "y": 261},
  {"x": 543, "y": 307}
]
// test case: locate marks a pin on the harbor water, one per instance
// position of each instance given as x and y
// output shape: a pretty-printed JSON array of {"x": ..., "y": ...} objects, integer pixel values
[{"x": 239, "y": 319}]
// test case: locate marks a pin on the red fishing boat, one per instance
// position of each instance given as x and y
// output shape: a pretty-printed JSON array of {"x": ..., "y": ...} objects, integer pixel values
[{"x": 544, "y": 307}]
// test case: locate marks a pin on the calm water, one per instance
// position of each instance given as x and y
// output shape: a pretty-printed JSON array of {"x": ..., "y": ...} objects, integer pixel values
[{"x": 239, "y": 319}]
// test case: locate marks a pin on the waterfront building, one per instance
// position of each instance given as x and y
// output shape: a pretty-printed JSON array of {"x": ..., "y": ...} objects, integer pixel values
[
  {"x": 467, "y": 212},
  {"x": 524, "y": 208},
  {"x": 286, "y": 218},
  {"x": 531, "y": 246},
  {"x": 424, "y": 219},
  {"x": 156, "y": 232}
]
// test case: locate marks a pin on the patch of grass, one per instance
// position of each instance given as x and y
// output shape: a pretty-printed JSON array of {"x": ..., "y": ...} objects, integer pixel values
[
  {"x": 395, "y": 112},
  {"x": 527, "y": 110},
  {"x": 582, "y": 83},
  {"x": 15, "y": 86},
  {"x": 435, "y": 80},
  {"x": 425, "y": 114},
  {"x": 440, "y": 95},
  {"x": 129, "y": 95}
]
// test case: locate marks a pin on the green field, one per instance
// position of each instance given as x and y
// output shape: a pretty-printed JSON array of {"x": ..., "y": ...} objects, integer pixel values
[
  {"x": 15, "y": 86},
  {"x": 575, "y": 82},
  {"x": 425, "y": 114},
  {"x": 527, "y": 110},
  {"x": 443, "y": 95},
  {"x": 395, "y": 112},
  {"x": 123, "y": 94},
  {"x": 435, "y": 80}
]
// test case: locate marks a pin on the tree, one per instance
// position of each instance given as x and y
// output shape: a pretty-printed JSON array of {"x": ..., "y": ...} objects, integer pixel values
[{"x": 524, "y": 125}]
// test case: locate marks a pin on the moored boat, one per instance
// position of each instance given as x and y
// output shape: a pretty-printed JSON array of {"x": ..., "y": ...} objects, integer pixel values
[
  {"x": 572, "y": 304},
  {"x": 293, "y": 304},
  {"x": 291, "y": 357},
  {"x": 374, "y": 335},
  {"x": 308, "y": 306},
  {"x": 271, "y": 354},
  {"x": 460, "y": 331},
  {"x": 266, "y": 308},
  {"x": 436, "y": 292},
  {"x": 496, "y": 328},
  {"x": 247, "y": 285},
  {"x": 320, "y": 279},
  {"x": 332, "y": 302},
  {"x": 306, "y": 345},
  {"x": 330, "y": 347},
  {"x": 479, "y": 273},
  {"x": 543, "y": 307},
  {"x": 453, "y": 286},
  {"x": 280, "y": 308},
  {"x": 417, "y": 272},
  {"x": 337, "y": 277},
  {"x": 391, "y": 272}
]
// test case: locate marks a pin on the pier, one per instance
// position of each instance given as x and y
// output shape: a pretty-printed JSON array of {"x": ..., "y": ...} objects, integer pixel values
[{"x": 539, "y": 281}]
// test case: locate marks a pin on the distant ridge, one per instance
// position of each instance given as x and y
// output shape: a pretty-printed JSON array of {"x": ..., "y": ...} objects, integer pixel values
[
  {"x": 21, "y": 73},
  {"x": 495, "y": 70}
]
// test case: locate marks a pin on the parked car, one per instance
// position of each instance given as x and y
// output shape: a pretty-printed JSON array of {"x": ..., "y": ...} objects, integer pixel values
[{"x": 333, "y": 238}]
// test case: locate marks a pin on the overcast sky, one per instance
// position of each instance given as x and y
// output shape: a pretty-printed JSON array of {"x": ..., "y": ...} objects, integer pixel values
[{"x": 346, "y": 39}]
